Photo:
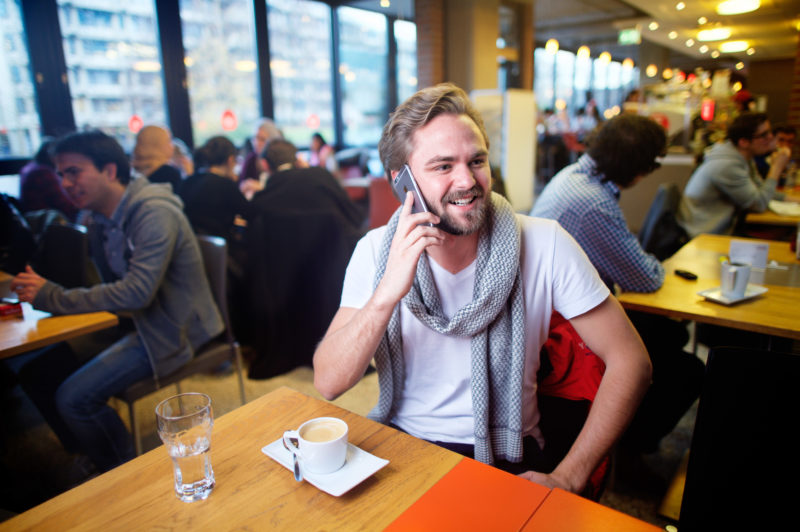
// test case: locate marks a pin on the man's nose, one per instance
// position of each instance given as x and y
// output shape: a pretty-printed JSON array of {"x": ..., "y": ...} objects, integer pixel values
[{"x": 464, "y": 176}]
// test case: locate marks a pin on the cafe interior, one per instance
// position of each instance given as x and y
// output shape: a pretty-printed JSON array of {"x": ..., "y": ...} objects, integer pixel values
[{"x": 536, "y": 69}]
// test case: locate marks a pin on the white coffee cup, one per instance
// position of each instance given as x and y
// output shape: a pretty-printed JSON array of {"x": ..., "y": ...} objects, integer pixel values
[
  {"x": 320, "y": 444},
  {"x": 733, "y": 278}
]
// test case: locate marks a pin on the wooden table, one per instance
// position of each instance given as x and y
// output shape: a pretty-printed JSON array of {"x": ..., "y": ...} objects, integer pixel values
[
  {"x": 254, "y": 492},
  {"x": 771, "y": 218},
  {"x": 39, "y": 329},
  {"x": 774, "y": 313}
]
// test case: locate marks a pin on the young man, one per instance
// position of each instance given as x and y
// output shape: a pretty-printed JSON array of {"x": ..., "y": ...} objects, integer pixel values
[
  {"x": 152, "y": 272},
  {"x": 584, "y": 199},
  {"x": 726, "y": 183},
  {"x": 456, "y": 313}
]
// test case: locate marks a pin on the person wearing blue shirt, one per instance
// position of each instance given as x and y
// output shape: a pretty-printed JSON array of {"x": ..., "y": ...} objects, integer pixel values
[{"x": 584, "y": 199}]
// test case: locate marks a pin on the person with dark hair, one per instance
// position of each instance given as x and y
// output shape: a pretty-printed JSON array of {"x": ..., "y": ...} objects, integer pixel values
[
  {"x": 252, "y": 167},
  {"x": 455, "y": 305},
  {"x": 152, "y": 272},
  {"x": 39, "y": 186},
  {"x": 726, "y": 184},
  {"x": 211, "y": 199},
  {"x": 321, "y": 152},
  {"x": 584, "y": 199}
]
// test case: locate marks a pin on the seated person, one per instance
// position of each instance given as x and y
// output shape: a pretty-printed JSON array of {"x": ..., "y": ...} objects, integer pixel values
[
  {"x": 253, "y": 166},
  {"x": 305, "y": 218},
  {"x": 211, "y": 199},
  {"x": 584, "y": 199},
  {"x": 321, "y": 152},
  {"x": 455, "y": 304},
  {"x": 152, "y": 271},
  {"x": 152, "y": 156},
  {"x": 726, "y": 185},
  {"x": 39, "y": 186}
]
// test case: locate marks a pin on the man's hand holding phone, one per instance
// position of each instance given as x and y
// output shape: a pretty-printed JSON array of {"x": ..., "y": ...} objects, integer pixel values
[{"x": 415, "y": 232}]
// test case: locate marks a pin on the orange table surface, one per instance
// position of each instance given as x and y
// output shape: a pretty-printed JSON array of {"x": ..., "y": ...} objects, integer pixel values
[
  {"x": 473, "y": 496},
  {"x": 563, "y": 511}
]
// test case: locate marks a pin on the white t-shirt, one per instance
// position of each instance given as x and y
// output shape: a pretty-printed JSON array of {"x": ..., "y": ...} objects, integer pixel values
[{"x": 436, "y": 403}]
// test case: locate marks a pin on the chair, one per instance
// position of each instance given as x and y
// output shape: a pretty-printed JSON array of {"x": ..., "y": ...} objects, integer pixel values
[
  {"x": 660, "y": 233},
  {"x": 382, "y": 202},
  {"x": 223, "y": 348},
  {"x": 63, "y": 256},
  {"x": 743, "y": 461}
]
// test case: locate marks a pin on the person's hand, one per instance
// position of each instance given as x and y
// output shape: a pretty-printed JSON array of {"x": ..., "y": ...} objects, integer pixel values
[
  {"x": 27, "y": 284},
  {"x": 249, "y": 187},
  {"x": 781, "y": 157},
  {"x": 550, "y": 481},
  {"x": 410, "y": 240}
]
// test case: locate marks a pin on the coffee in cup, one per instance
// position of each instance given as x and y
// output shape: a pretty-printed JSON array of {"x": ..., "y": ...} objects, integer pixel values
[{"x": 320, "y": 444}]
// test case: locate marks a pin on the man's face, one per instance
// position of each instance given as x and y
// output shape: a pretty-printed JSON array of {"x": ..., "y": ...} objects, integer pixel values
[
  {"x": 784, "y": 140},
  {"x": 260, "y": 140},
  {"x": 762, "y": 141},
  {"x": 88, "y": 187},
  {"x": 450, "y": 162}
]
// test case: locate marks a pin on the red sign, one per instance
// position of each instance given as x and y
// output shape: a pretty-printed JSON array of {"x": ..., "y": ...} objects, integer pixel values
[
  {"x": 229, "y": 121},
  {"x": 707, "y": 109},
  {"x": 135, "y": 123},
  {"x": 312, "y": 121}
]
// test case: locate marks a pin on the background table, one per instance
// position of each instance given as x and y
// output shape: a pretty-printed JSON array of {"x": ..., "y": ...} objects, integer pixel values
[
  {"x": 774, "y": 313},
  {"x": 39, "y": 329}
]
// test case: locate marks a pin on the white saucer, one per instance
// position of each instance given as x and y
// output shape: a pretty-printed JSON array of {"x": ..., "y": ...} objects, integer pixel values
[
  {"x": 714, "y": 294},
  {"x": 358, "y": 466}
]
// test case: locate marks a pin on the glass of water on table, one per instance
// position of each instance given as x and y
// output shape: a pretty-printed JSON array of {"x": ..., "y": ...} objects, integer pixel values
[{"x": 184, "y": 425}]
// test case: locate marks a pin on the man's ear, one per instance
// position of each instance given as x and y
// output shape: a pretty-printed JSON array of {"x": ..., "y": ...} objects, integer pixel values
[
  {"x": 394, "y": 173},
  {"x": 110, "y": 171}
]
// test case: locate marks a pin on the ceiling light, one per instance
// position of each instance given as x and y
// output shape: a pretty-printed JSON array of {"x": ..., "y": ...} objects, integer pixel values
[
  {"x": 651, "y": 70},
  {"x": 715, "y": 53},
  {"x": 551, "y": 46},
  {"x": 667, "y": 73},
  {"x": 689, "y": 43},
  {"x": 730, "y": 47},
  {"x": 653, "y": 26},
  {"x": 673, "y": 35},
  {"x": 385, "y": 3},
  {"x": 680, "y": 6},
  {"x": 751, "y": 51},
  {"x": 739, "y": 65},
  {"x": 583, "y": 52},
  {"x": 702, "y": 20},
  {"x": 736, "y": 87},
  {"x": 604, "y": 57},
  {"x": 714, "y": 34},
  {"x": 703, "y": 49},
  {"x": 735, "y": 7},
  {"x": 627, "y": 63}
]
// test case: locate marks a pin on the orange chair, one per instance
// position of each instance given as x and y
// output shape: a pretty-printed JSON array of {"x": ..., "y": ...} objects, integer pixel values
[{"x": 382, "y": 202}]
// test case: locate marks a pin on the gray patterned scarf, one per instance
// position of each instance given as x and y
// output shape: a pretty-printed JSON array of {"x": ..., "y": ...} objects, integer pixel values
[{"x": 494, "y": 320}]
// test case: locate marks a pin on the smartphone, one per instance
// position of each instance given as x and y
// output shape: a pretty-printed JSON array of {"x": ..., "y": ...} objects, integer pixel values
[{"x": 405, "y": 182}]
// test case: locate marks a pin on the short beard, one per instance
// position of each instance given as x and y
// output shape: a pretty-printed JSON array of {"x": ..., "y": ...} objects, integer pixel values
[{"x": 475, "y": 219}]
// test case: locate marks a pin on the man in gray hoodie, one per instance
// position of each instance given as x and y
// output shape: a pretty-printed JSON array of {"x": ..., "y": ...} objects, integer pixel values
[
  {"x": 152, "y": 272},
  {"x": 727, "y": 184}
]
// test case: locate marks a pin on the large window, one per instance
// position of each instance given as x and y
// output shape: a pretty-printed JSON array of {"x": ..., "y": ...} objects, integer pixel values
[
  {"x": 114, "y": 66},
  {"x": 19, "y": 121},
  {"x": 362, "y": 71},
  {"x": 219, "y": 48},
  {"x": 405, "y": 34},
  {"x": 300, "y": 64}
]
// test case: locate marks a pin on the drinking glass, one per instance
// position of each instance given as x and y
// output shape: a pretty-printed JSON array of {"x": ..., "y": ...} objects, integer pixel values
[{"x": 184, "y": 425}]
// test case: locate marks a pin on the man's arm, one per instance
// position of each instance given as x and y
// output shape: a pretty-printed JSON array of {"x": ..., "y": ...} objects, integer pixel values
[
  {"x": 609, "y": 334},
  {"x": 350, "y": 342}
]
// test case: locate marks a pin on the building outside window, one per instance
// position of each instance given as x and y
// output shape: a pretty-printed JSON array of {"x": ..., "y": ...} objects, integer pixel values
[
  {"x": 300, "y": 64},
  {"x": 116, "y": 44},
  {"x": 20, "y": 128},
  {"x": 405, "y": 34},
  {"x": 221, "y": 69},
  {"x": 363, "y": 55}
]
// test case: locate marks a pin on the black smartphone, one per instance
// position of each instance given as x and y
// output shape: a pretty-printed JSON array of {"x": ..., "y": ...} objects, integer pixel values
[
  {"x": 405, "y": 182},
  {"x": 686, "y": 275}
]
